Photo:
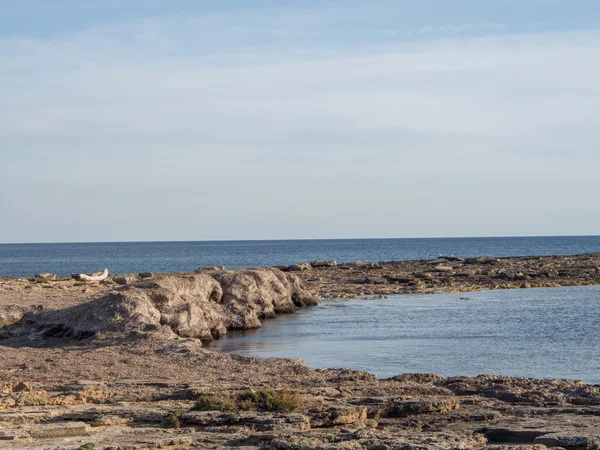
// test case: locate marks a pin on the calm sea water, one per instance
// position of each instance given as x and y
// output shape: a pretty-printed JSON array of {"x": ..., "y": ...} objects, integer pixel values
[
  {"x": 64, "y": 259},
  {"x": 542, "y": 333}
]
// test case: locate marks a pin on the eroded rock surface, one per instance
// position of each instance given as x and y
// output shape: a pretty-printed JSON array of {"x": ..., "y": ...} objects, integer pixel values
[
  {"x": 449, "y": 274},
  {"x": 202, "y": 306},
  {"x": 283, "y": 405}
]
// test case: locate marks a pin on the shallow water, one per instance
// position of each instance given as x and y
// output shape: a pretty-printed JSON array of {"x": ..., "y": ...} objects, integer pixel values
[
  {"x": 131, "y": 257},
  {"x": 541, "y": 333}
]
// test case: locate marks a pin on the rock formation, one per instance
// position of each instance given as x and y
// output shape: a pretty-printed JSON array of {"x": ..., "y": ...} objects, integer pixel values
[{"x": 202, "y": 306}]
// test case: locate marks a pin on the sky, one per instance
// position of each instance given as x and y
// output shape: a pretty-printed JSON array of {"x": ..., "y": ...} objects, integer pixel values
[{"x": 272, "y": 119}]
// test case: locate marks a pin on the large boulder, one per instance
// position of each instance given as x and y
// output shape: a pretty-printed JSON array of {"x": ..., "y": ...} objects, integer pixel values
[{"x": 198, "y": 306}]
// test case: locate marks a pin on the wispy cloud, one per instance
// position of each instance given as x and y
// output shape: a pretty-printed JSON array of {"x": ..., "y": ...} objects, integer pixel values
[{"x": 178, "y": 106}]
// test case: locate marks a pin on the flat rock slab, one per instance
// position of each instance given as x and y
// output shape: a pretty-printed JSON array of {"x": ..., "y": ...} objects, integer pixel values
[
  {"x": 339, "y": 415},
  {"x": 256, "y": 420},
  {"x": 568, "y": 440},
  {"x": 501, "y": 434},
  {"x": 68, "y": 429},
  {"x": 424, "y": 406}
]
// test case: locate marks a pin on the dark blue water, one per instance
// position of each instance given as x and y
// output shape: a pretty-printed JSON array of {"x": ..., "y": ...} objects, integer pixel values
[
  {"x": 541, "y": 333},
  {"x": 64, "y": 259}
]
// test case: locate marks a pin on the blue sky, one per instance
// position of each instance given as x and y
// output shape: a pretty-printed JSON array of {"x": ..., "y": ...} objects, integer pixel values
[{"x": 191, "y": 120}]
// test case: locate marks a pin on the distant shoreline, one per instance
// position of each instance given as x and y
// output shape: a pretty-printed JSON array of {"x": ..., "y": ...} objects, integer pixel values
[{"x": 444, "y": 274}]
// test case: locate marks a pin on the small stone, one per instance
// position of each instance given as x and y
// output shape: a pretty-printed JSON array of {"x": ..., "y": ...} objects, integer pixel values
[
  {"x": 435, "y": 262},
  {"x": 209, "y": 268},
  {"x": 339, "y": 415},
  {"x": 323, "y": 263},
  {"x": 44, "y": 277},
  {"x": 299, "y": 267},
  {"x": 376, "y": 280},
  {"x": 121, "y": 279},
  {"x": 23, "y": 386},
  {"x": 145, "y": 274}
]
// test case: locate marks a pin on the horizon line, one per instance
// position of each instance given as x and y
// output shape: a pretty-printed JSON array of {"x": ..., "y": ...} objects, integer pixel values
[{"x": 303, "y": 239}]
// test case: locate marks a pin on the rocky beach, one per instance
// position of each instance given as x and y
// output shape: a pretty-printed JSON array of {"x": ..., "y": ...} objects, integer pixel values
[{"x": 120, "y": 363}]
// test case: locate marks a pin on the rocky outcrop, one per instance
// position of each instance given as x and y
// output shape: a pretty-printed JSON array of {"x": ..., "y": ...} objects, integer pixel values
[
  {"x": 197, "y": 306},
  {"x": 449, "y": 274}
]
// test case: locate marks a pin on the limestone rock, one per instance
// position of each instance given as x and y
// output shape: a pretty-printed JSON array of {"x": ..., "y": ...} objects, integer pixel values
[
  {"x": 12, "y": 314},
  {"x": 209, "y": 269},
  {"x": 375, "y": 280},
  {"x": 44, "y": 277},
  {"x": 403, "y": 408},
  {"x": 435, "y": 262},
  {"x": 59, "y": 430},
  {"x": 568, "y": 440},
  {"x": 299, "y": 267},
  {"x": 122, "y": 280},
  {"x": 339, "y": 415},
  {"x": 195, "y": 306},
  {"x": 323, "y": 263}
]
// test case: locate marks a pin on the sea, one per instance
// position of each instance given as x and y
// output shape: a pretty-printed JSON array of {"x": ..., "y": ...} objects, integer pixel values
[
  {"x": 542, "y": 333},
  {"x": 25, "y": 260}
]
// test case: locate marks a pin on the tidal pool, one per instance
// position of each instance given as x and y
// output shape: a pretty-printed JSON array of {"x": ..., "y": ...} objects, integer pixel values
[{"x": 541, "y": 333}]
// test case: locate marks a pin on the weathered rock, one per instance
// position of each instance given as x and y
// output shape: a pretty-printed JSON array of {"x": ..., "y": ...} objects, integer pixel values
[
  {"x": 145, "y": 274},
  {"x": 568, "y": 440},
  {"x": 23, "y": 386},
  {"x": 122, "y": 280},
  {"x": 44, "y": 277},
  {"x": 12, "y": 314},
  {"x": 202, "y": 418},
  {"x": 299, "y": 267},
  {"x": 195, "y": 306},
  {"x": 209, "y": 268},
  {"x": 375, "y": 280},
  {"x": 463, "y": 274},
  {"x": 454, "y": 258},
  {"x": 323, "y": 263},
  {"x": 510, "y": 434},
  {"x": 339, "y": 415},
  {"x": 403, "y": 408},
  {"x": 481, "y": 260},
  {"x": 56, "y": 430},
  {"x": 417, "y": 378},
  {"x": 435, "y": 262},
  {"x": 256, "y": 420}
]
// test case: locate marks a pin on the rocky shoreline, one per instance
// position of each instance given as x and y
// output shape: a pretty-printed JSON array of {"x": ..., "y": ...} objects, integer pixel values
[
  {"x": 120, "y": 364},
  {"x": 327, "y": 279}
]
